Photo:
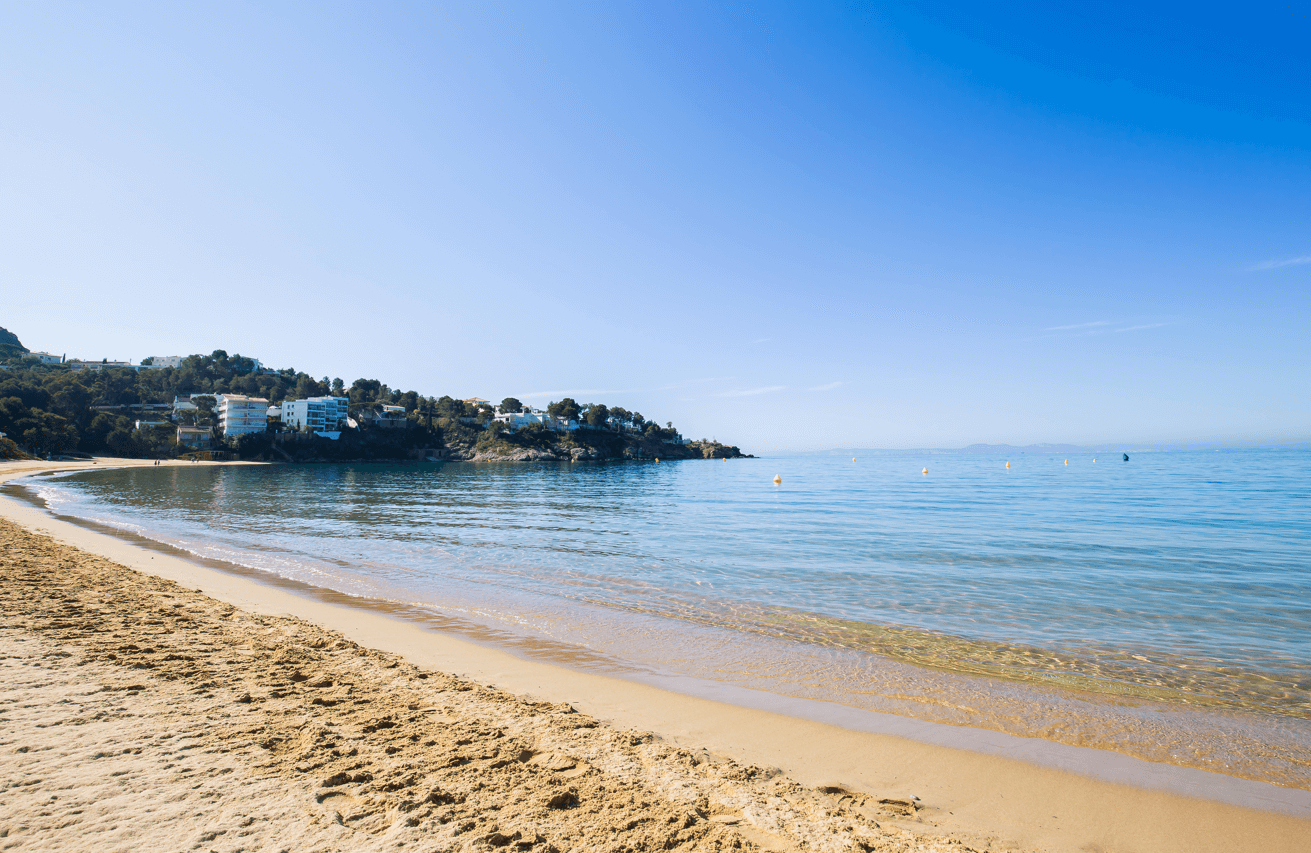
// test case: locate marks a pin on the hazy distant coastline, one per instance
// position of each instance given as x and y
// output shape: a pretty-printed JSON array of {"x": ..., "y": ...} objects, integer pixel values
[{"x": 1012, "y": 449}]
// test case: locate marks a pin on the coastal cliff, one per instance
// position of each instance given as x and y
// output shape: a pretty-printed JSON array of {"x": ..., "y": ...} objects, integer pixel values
[
  {"x": 478, "y": 444},
  {"x": 55, "y": 407}
]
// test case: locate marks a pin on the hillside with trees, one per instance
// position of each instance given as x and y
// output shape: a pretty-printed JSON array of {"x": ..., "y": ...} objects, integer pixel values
[{"x": 55, "y": 409}]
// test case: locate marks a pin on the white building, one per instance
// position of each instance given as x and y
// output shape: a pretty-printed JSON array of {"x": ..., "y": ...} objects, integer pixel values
[
  {"x": 47, "y": 358},
  {"x": 315, "y": 414},
  {"x": 104, "y": 363},
  {"x": 516, "y": 421},
  {"x": 391, "y": 417},
  {"x": 157, "y": 361},
  {"x": 242, "y": 415}
]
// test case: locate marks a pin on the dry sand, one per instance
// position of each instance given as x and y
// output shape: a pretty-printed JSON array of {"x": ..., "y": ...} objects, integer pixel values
[{"x": 137, "y": 713}]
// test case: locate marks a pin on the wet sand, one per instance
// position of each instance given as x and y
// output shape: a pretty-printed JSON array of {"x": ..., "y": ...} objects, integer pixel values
[{"x": 140, "y": 713}]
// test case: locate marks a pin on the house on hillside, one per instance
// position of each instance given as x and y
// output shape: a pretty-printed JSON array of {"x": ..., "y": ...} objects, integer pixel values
[
  {"x": 103, "y": 364},
  {"x": 195, "y": 437},
  {"x": 516, "y": 421},
  {"x": 161, "y": 361},
  {"x": 47, "y": 358},
  {"x": 387, "y": 417}
]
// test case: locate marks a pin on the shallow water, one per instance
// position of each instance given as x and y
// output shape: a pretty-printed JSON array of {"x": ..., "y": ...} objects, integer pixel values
[{"x": 1161, "y": 606}]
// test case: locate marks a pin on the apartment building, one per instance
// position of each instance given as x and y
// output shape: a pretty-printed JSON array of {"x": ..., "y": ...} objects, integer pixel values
[
  {"x": 315, "y": 414},
  {"x": 242, "y": 415}
]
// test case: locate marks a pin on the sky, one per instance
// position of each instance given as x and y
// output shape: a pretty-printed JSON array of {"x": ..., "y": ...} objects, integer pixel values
[{"x": 784, "y": 226}]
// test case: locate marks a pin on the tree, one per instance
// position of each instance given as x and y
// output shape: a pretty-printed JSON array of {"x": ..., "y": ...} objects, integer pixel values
[
  {"x": 123, "y": 443},
  {"x": 449, "y": 407},
  {"x": 597, "y": 415},
  {"x": 510, "y": 404},
  {"x": 12, "y": 411},
  {"x": 205, "y": 410},
  {"x": 565, "y": 410},
  {"x": 306, "y": 387},
  {"x": 95, "y": 436},
  {"x": 10, "y": 345},
  {"x": 366, "y": 391},
  {"x": 45, "y": 432},
  {"x": 338, "y": 387}
]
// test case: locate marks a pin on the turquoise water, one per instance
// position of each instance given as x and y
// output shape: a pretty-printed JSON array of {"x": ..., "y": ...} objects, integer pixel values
[{"x": 1174, "y": 578}]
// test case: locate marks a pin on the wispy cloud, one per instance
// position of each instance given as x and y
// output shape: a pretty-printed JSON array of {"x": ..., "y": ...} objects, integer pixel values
[
  {"x": 1106, "y": 327},
  {"x": 581, "y": 392},
  {"x": 829, "y": 387},
  {"x": 686, "y": 382},
  {"x": 1091, "y": 325},
  {"x": 769, "y": 389},
  {"x": 597, "y": 392},
  {"x": 1287, "y": 262}
]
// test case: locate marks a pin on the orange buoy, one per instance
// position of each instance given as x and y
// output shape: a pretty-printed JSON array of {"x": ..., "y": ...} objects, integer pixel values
[
  {"x": 925, "y": 471},
  {"x": 1008, "y": 464},
  {"x": 777, "y": 479}
]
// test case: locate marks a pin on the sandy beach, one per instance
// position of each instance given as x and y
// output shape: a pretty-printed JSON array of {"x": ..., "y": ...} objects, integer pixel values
[{"x": 152, "y": 703}]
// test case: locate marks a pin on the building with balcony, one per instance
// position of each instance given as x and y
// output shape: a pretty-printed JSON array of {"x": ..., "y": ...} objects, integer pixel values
[
  {"x": 242, "y": 415},
  {"x": 321, "y": 415},
  {"x": 197, "y": 437}
]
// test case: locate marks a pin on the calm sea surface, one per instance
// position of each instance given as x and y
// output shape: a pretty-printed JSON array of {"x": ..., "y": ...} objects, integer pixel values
[{"x": 1089, "y": 602}]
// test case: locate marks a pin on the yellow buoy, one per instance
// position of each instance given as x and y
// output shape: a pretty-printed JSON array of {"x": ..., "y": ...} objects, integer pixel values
[
  {"x": 777, "y": 479},
  {"x": 1067, "y": 462},
  {"x": 1008, "y": 464},
  {"x": 853, "y": 459},
  {"x": 657, "y": 458},
  {"x": 1094, "y": 460},
  {"x": 725, "y": 458},
  {"x": 925, "y": 471}
]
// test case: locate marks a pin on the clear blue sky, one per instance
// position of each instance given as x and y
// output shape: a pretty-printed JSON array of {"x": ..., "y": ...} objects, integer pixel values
[{"x": 786, "y": 226}]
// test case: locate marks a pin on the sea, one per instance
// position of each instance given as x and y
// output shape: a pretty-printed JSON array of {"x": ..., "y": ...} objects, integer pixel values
[{"x": 1159, "y": 607}]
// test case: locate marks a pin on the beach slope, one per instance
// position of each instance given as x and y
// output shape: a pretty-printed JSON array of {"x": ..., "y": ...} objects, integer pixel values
[{"x": 137, "y": 714}]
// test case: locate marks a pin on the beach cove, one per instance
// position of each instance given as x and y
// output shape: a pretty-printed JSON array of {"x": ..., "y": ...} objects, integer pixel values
[{"x": 977, "y": 798}]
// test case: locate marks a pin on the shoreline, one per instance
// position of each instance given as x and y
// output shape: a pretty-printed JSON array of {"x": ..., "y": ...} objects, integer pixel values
[{"x": 970, "y": 793}]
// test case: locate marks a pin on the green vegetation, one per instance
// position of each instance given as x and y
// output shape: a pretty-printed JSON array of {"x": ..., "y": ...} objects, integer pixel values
[
  {"x": 10, "y": 345},
  {"x": 54, "y": 409}
]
